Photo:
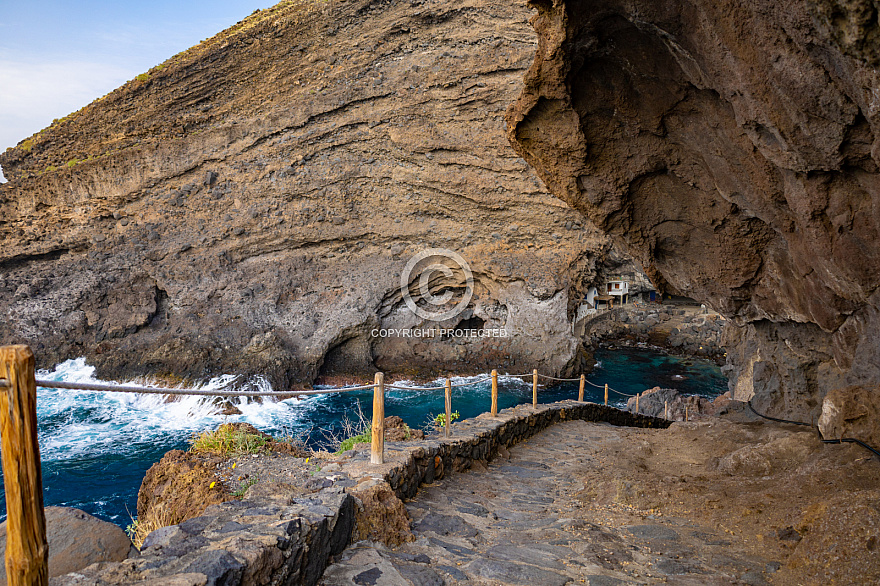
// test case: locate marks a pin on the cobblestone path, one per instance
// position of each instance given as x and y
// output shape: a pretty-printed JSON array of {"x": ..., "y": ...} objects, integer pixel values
[{"x": 533, "y": 519}]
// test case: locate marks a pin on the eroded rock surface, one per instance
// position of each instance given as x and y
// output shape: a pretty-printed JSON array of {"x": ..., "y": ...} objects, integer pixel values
[
  {"x": 249, "y": 205},
  {"x": 76, "y": 540},
  {"x": 732, "y": 147},
  {"x": 710, "y": 503}
]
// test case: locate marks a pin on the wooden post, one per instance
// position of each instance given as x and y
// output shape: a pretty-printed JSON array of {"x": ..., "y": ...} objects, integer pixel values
[
  {"x": 581, "y": 389},
  {"x": 606, "y": 394},
  {"x": 494, "y": 393},
  {"x": 686, "y": 413},
  {"x": 27, "y": 552},
  {"x": 377, "y": 448},
  {"x": 637, "y": 404},
  {"x": 448, "y": 405},
  {"x": 665, "y": 409},
  {"x": 535, "y": 388}
]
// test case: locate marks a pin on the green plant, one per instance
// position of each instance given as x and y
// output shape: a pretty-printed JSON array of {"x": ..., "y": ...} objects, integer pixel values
[
  {"x": 27, "y": 145},
  {"x": 349, "y": 443},
  {"x": 244, "y": 486},
  {"x": 51, "y": 168},
  {"x": 142, "y": 77},
  {"x": 440, "y": 419},
  {"x": 353, "y": 432},
  {"x": 226, "y": 440},
  {"x": 72, "y": 163}
]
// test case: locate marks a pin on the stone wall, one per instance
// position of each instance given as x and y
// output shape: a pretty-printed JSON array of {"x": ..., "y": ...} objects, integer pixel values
[{"x": 290, "y": 540}]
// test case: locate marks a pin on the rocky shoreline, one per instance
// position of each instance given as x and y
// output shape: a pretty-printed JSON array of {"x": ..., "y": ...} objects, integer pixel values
[{"x": 675, "y": 329}]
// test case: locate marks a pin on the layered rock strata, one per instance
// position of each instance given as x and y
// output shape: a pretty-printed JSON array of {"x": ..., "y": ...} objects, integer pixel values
[
  {"x": 731, "y": 146},
  {"x": 249, "y": 205}
]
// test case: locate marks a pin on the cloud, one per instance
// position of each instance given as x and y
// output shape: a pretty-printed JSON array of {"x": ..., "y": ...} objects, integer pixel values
[{"x": 32, "y": 94}]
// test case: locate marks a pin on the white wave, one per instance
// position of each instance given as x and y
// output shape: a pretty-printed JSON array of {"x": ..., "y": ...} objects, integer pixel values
[{"x": 91, "y": 423}]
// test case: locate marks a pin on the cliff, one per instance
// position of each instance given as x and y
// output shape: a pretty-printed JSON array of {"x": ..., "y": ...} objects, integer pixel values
[
  {"x": 249, "y": 205},
  {"x": 732, "y": 147}
]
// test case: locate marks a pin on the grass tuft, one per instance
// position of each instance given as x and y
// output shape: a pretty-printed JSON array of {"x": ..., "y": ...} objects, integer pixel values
[
  {"x": 227, "y": 441},
  {"x": 156, "y": 518}
]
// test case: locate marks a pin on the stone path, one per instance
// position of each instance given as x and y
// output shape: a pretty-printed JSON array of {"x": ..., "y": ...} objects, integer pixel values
[{"x": 530, "y": 520}]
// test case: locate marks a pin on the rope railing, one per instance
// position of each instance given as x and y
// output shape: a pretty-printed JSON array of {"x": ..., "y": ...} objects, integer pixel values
[{"x": 47, "y": 384}]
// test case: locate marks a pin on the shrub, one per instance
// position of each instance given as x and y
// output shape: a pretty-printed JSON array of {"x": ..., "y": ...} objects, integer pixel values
[
  {"x": 227, "y": 440},
  {"x": 440, "y": 419},
  {"x": 142, "y": 77}
]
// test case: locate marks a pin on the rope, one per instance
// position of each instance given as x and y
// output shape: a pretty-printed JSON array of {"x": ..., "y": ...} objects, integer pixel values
[
  {"x": 223, "y": 393},
  {"x": 400, "y": 388},
  {"x": 847, "y": 440},
  {"x": 564, "y": 380},
  {"x": 476, "y": 382},
  {"x": 198, "y": 392},
  {"x": 467, "y": 384}
]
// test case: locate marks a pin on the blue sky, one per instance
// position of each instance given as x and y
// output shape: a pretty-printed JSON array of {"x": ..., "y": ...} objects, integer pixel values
[{"x": 56, "y": 57}]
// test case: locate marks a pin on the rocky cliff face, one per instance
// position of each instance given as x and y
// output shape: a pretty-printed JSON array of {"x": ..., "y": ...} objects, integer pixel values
[
  {"x": 732, "y": 147},
  {"x": 250, "y": 204}
]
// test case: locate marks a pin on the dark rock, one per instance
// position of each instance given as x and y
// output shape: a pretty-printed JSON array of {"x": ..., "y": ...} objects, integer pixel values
[
  {"x": 446, "y": 525},
  {"x": 368, "y": 578},
  {"x": 454, "y": 572},
  {"x": 219, "y": 566},
  {"x": 511, "y": 573},
  {"x": 76, "y": 540}
]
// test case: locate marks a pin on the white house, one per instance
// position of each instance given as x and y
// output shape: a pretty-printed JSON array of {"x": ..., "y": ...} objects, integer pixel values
[{"x": 619, "y": 289}]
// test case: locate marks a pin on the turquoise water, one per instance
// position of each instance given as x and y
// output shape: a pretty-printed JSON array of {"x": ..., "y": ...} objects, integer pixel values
[{"x": 96, "y": 447}]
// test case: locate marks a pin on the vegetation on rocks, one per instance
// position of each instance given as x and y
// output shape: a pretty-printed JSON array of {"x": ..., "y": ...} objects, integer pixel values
[{"x": 229, "y": 440}]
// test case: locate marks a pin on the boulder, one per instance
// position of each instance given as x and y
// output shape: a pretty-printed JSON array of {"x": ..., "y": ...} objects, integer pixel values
[
  {"x": 398, "y": 431},
  {"x": 76, "y": 540},
  {"x": 852, "y": 412},
  {"x": 656, "y": 401},
  {"x": 381, "y": 515}
]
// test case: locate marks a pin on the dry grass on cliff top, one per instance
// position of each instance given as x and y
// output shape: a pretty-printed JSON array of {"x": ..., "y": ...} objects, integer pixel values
[{"x": 276, "y": 16}]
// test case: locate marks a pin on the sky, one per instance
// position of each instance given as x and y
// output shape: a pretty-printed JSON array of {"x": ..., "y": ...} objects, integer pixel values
[{"x": 56, "y": 57}]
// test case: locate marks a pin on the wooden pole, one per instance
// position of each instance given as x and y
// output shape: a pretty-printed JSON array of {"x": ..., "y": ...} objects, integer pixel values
[
  {"x": 686, "y": 413},
  {"x": 377, "y": 448},
  {"x": 665, "y": 409},
  {"x": 494, "y": 393},
  {"x": 606, "y": 394},
  {"x": 448, "y": 405},
  {"x": 27, "y": 552},
  {"x": 637, "y": 404},
  {"x": 535, "y": 388},
  {"x": 581, "y": 389}
]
